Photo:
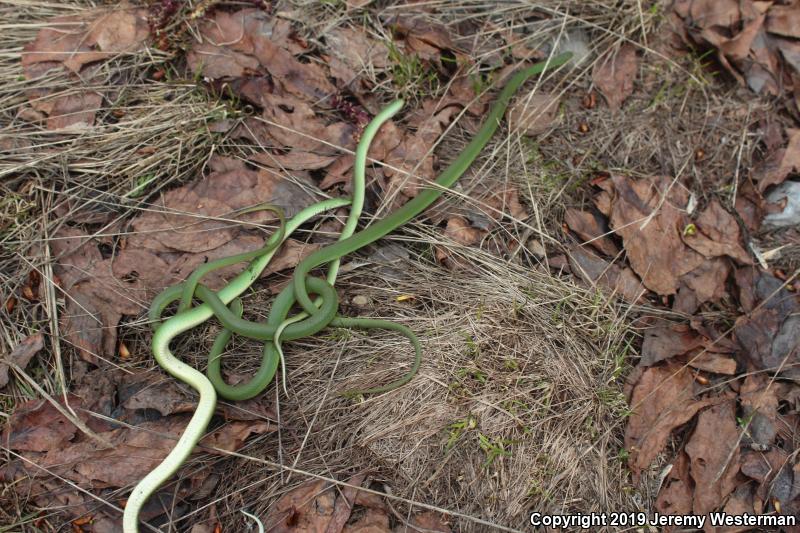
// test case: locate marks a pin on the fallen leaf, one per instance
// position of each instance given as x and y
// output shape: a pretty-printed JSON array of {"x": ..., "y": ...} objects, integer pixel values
[
  {"x": 410, "y": 164},
  {"x": 459, "y": 230},
  {"x": 759, "y": 399},
  {"x": 769, "y": 333},
  {"x": 533, "y": 115},
  {"x": 37, "y": 426},
  {"x": 290, "y": 124},
  {"x": 662, "y": 400},
  {"x": 709, "y": 361},
  {"x": 713, "y": 450},
  {"x": 75, "y": 41},
  {"x": 664, "y": 342},
  {"x": 677, "y": 489},
  {"x": 69, "y": 47},
  {"x": 614, "y": 75},
  {"x": 784, "y": 20},
  {"x": 309, "y": 507},
  {"x": 763, "y": 467},
  {"x": 357, "y": 49},
  {"x": 184, "y": 219},
  {"x": 502, "y": 201},
  {"x": 21, "y": 355},
  {"x": 756, "y": 41},
  {"x": 295, "y": 160},
  {"x": 74, "y": 111},
  {"x": 373, "y": 521},
  {"x": 739, "y": 503},
  {"x": 425, "y": 522},
  {"x": 344, "y": 504},
  {"x": 593, "y": 229},
  {"x": 612, "y": 277},
  {"x": 96, "y": 299},
  {"x": 778, "y": 165},
  {"x": 423, "y": 37},
  {"x": 232, "y": 435},
  {"x": 149, "y": 390},
  {"x": 706, "y": 283},
  {"x": 717, "y": 235},
  {"x": 235, "y": 44},
  {"x": 165, "y": 246},
  {"x": 39, "y": 432},
  {"x": 645, "y": 214}
]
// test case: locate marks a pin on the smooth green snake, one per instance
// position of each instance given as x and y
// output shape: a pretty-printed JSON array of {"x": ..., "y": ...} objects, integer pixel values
[{"x": 317, "y": 314}]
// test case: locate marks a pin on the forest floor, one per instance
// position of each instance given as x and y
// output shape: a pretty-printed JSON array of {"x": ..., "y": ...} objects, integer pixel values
[{"x": 607, "y": 300}]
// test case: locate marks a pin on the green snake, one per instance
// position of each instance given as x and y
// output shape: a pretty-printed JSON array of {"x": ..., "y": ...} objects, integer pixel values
[{"x": 317, "y": 314}]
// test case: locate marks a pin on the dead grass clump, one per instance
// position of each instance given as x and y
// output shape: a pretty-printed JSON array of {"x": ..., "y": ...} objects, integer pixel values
[{"x": 515, "y": 407}]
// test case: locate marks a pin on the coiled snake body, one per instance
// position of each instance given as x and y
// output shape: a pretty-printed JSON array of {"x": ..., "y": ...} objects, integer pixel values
[{"x": 318, "y": 314}]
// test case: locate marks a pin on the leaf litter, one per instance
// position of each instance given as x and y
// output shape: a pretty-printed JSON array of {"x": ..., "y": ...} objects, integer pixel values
[
  {"x": 725, "y": 389},
  {"x": 694, "y": 260},
  {"x": 71, "y": 47},
  {"x": 140, "y": 414},
  {"x": 310, "y": 115}
]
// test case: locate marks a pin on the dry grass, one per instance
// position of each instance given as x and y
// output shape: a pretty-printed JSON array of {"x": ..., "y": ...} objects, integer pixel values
[{"x": 518, "y": 405}]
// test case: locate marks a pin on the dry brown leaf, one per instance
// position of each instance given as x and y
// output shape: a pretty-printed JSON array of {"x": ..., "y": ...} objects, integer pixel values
[
  {"x": 780, "y": 163},
  {"x": 662, "y": 400},
  {"x": 533, "y": 115},
  {"x": 762, "y": 466},
  {"x": 74, "y": 111},
  {"x": 717, "y": 363},
  {"x": 344, "y": 504},
  {"x": 96, "y": 299},
  {"x": 676, "y": 494},
  {"x": 755, "y": 40},
  {"x": 647, "y": 215},
  {"x": 373, "y": 521},
  {"x": 503, "y": 200},
  {"x": 410, "y": 164},
  {"x": 426, "y": 522},
  {"x": 717, "y": 234},
  {"x": 784, "y": 20},
  {"x": 357, "y": 49},
  {"x": 664, "y": 342},
  {"x": 307, "y": 508},
  {"x": 46, "y": 438},
  {"x": 770, "y": 334},
  {"x": 740, "y": 502},
  {"x": 69, "y": 45},
  {"x": 232, "y": 41},
  {"x": 294, "y": 160},
  {"x": 423, "y": 37},
  {"x": 459, "y": 230},
  {"x": 713, "y": 450},
  {"x": 37, "y": 426},
  {"x": 593, "y": 229},
  {"x": 609, "y": 276},
  {"x": 759, "y": 398},
  {"x": 21, "y": 355},
  {"x": 75, "y": 41},
  {"x": 706, "y": 283},
  {"x": 166, "y": 246},
  {"x": 614, "y": 75},
  {"x": 180, "y": 221},
  {"x": 149, "y": 390},
  {"x": 232, "y": 435}
]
